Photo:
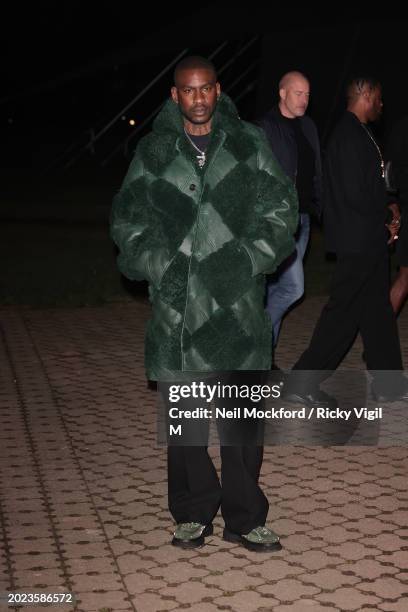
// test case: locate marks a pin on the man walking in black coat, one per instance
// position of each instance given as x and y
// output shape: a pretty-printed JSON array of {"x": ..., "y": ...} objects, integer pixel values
[{"x": 355, "y": 216}]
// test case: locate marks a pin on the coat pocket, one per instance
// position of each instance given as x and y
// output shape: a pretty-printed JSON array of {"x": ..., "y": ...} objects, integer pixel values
[{"x": 157, "y": 265}]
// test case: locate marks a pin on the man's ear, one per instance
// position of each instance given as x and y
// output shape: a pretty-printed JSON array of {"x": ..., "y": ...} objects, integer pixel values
[
  {"x": 218, "y": 89},
  {"x": 174, "y": 94},
  {"x": 282, "y": 93}
]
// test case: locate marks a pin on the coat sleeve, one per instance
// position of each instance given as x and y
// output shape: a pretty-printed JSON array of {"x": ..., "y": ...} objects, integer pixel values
[
  {"x": 270, "y": 233},
  {"x": 318, "y": 177},
  {"x": 142, "y": 256}
]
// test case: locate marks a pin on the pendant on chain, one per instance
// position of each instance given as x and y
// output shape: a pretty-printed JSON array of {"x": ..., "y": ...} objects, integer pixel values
[{"x": 201, "y": 159}]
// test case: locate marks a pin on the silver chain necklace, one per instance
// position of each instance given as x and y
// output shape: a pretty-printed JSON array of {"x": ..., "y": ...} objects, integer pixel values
[
  {"x": 378, "y": 149},
  {"x": 200, "y": 158}
]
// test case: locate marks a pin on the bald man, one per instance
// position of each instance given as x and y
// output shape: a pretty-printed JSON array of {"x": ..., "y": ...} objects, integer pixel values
[{"x": 294, "y": 140}]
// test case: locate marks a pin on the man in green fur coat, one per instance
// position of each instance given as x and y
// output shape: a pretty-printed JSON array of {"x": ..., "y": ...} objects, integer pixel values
[{"x": 203, "y": 214}]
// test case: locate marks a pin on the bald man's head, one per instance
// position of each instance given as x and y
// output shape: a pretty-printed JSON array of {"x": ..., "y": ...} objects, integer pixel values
[{"x": 294, "y": 91}]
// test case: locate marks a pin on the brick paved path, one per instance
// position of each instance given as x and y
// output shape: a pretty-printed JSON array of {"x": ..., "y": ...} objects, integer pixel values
[{"x": 84, "y": 486}]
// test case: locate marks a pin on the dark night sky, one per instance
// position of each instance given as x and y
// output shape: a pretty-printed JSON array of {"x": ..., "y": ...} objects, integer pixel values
[
  {"x": 75, "y": 64},
  {"x": 47, "y": 40}
]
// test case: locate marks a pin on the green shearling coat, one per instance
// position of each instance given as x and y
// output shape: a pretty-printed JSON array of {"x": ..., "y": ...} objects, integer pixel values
[{"x": 204, "y": 240}]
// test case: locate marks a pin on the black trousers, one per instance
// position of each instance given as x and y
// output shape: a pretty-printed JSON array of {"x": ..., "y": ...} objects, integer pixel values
[
  {"x": 359, "y": 302},
  {"x": 195, "y": 492}
]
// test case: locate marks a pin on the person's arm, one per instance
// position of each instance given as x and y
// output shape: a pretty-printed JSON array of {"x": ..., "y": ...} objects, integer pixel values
[
  {"x": 142, "y": 255},
  {"x": 270, "y": 233},
  {"x": 318, "y": 177}
]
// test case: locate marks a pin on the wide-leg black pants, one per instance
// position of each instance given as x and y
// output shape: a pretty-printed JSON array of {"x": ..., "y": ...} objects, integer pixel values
[
  {"x": 359, "y": 302},
  {"x": 195, "y": 492}
]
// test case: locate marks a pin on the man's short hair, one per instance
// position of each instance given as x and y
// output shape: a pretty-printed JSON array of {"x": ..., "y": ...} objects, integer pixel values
[
  {"x": 194, "y": 62},
  {"x": 357, "y": 85}
]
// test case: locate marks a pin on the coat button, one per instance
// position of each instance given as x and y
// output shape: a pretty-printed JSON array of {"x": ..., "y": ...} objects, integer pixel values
[{"x": 192, "y": 187}]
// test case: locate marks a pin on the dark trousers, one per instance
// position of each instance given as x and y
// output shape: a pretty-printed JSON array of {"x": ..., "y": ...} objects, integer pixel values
[
  {"x": 359, "y": 302},
  {"x": 195, "y": 493},
  {"x": 194, "y": 489}
]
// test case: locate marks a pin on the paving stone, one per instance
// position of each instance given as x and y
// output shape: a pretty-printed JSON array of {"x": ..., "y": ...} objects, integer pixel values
[
  {"x": 191, "y": 592},
  {"x": 338, "y": 534},
  {"x": 288, "y": 590},
  {"x": 273, "y": 570},
  {"x": 228, "y": 556},
  {"x": 199, "y": 607},
  {"x": 386, "y": 588},
  {"x": 174, "y": 572},
  {"x": 246, "y": 601},
  {"x": 151, "y": 602},
  {"x": 396, "y": 606},
  {"x": 35, "y": 577},
  {"x": 108, "y": 599},
  {"x": 90, "y": 566},
  {"x": 300, "y": 543},
  {"x": 368, "y": 526},
  {"x": 130, "y": 563},
  {"x": 398, "y": 559},
  {"x": 329, "y": 579},
  {"x": 370, "y": 568},
  {"x": 385, "y": 542},
  {"x": 303, "y": 605},
  {"x": 84, "y": 500},
  {"x": 234, "y": 580},
  {"x": 352, "y": 551},
  {"x": 28, "y": 561},
  {"x": 96, "y": 582},
  {"x": 349, "y": 599},
  {"x": 315, "y": 559},
  {"x": 139, "y": 583}
]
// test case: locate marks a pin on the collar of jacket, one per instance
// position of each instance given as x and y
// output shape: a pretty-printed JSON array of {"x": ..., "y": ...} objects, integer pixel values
[
  {"x": 276, "y": 113},
  {"x": 354, "y": 119},
  {"x": 169, "y": 126}
]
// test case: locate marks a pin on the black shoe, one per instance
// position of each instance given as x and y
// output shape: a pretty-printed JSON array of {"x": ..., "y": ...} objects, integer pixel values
[
  {"x": 316, "y": 398},
  {"x": 260, "y": 539},
  {"x": 191, "y": 535}
]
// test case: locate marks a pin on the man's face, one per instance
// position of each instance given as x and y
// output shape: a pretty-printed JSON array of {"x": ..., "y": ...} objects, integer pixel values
[
  {"x": 196, "y": 92},
  {"x": 375, "y": 104},
  {"x": 294, "y": 98}
]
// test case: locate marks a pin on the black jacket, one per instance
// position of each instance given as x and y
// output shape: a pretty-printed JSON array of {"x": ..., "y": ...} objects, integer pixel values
[
  {"x": 355, "y": 200},
  {"x": 282, "y": 141}
]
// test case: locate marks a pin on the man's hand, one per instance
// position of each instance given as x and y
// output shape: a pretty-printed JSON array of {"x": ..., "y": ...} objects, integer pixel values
[{"x": 395, "y": 224}]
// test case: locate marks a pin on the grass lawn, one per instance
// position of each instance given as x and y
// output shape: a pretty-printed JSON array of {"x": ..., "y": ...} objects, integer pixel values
[
  {"x": 55, "y": 247},
  {"x": 73, "y": 263}
]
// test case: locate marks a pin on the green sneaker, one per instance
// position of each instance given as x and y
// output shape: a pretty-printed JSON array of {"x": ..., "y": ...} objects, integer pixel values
[
  {"x": 259, "y": 539},
  {"x": 191, "y": 535}
]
